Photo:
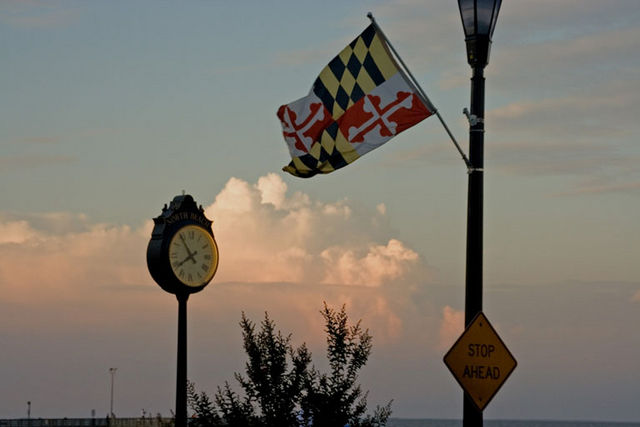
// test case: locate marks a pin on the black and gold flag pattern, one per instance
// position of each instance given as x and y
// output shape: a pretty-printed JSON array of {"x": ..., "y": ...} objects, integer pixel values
[{"x": 362, "y": 84}]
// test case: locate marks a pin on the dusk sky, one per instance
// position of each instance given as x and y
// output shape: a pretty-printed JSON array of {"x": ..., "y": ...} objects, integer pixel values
[{"x": 109, "y": 109}]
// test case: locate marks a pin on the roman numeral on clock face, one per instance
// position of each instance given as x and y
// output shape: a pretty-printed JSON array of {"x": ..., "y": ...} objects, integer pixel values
[{"x": 193, "y": 255}]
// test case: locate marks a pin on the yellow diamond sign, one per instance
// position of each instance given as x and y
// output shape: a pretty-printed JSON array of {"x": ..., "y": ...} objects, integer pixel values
[{"x": 480, "y": 361}]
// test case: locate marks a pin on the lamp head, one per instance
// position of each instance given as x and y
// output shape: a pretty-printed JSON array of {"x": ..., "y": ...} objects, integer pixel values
[{"x": 478, "y": 20}]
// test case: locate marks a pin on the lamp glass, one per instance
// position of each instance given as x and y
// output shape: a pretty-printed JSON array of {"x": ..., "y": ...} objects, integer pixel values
[
  {"x": 484, "y": 10},
  {"x": 494, "y": 18},
  {"x": 468, "y": 14},
  {"x": 479, "y": 16}
]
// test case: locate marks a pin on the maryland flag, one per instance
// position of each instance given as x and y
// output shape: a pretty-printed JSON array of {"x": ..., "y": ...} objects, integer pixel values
[{"x": 359, "y": 101}]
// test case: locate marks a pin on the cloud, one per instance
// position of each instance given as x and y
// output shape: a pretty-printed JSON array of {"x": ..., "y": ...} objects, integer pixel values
[
  {"x": 300, "y": 57},
  {"x": 16, "y": 232},
  {"x": 67, "y": 282},
  {"x": 626, "y": 187},
  {"x": 28, "y": 161},
  {"x": 549, "y": 158},
  {"x": 38, "y": 267},
  {"x": 379, "y": 265},
  {"x": 605, "y": 110},
  {"x": 451, "y": 327},
  {"x": 572, "y": 13},
  {"x": 39, "y": 140},
  {"x": 267, "y": 236},
  {"x": 302, "y": 250},
  {"x": 636, "y": 297},
  {"x": 538, "y": 44},
  {"x": 542, "y": 50},
  {"x": 589, "y": 134},
  {"x": 37, "y": 14},
  {"x": 66, "y": 279}
]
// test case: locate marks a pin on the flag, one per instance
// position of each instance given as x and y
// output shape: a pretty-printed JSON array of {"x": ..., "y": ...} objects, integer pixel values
[{"x": 360, "y": 100}]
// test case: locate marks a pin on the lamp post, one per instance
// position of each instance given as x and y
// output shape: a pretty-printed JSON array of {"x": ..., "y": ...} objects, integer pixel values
[
  {"x": 112, "y": 371},
  {"x": 478, "y": 20}
]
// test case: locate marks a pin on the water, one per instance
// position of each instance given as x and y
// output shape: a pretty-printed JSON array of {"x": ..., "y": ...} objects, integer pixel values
[
  {"x": 393, "y": 422},
  {"x": 397, "y": 422}
]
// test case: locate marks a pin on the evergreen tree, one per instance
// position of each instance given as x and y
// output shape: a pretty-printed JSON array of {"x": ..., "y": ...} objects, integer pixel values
[
  {"x": 203, "y": 407},
  {"x": 335, "y": 399},
  {"x": 280, "y": 390}
]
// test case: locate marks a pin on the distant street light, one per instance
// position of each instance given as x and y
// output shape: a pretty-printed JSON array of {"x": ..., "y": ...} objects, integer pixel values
[
  {"x": 112, "y": 371},
  {"x": 478, "y": 20},
  {"x": 29, "y": 413}
]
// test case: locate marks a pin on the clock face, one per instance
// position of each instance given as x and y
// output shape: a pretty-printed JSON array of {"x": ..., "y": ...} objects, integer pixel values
[{"x": 193, "y": 255}]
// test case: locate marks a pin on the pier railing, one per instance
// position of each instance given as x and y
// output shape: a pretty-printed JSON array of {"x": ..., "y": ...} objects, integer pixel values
[{"x": 88, "y": 422}]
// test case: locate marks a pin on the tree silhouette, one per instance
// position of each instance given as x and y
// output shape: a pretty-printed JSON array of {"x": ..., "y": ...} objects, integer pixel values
[
  {"x": 281, "y": 390},
  {"x": 335, "y": 399}
]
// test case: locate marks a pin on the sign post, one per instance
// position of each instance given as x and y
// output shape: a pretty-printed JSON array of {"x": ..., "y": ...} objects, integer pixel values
[{"x": 480, "y": 361}]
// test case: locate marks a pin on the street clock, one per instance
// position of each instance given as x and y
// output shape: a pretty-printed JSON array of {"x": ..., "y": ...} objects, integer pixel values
[{"x": 182, "y": 255}]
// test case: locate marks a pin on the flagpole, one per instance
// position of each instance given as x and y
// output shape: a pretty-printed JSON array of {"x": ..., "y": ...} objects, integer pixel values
[{"x": 420, "y": 91}]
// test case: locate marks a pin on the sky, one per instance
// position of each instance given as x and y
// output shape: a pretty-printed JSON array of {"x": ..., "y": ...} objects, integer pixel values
[{"x": 110, "y": 109}]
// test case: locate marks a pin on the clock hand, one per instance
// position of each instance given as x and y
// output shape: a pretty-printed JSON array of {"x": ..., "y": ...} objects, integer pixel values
[
  {"x": 190, "y": 257},
  {"x": 185, "y": 245}
]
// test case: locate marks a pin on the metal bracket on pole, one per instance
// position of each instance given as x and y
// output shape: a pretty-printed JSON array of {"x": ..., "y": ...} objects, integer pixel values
[{"x": 473, "y": 119}]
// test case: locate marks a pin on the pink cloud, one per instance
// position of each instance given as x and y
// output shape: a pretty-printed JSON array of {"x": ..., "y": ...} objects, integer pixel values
[
  {"x": 278, "y": 252},
  {"x": 451, "y": 327},
  {"x": 266, "y": 236},
  {"x": 380, "y": 264},
  {"x": 37, "y": 265},
  {"x": 16, "y": 232}
]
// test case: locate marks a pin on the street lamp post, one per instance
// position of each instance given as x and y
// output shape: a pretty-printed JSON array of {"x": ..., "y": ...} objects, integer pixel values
[
  {"x": 112, "y": 371},
  {"x": 478, "y": 20}
]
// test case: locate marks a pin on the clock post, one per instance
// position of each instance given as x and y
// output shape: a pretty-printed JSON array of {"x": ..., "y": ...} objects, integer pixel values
[
  {"x": 182, "y": 257},
  {"x": 181, "y": 375}
]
